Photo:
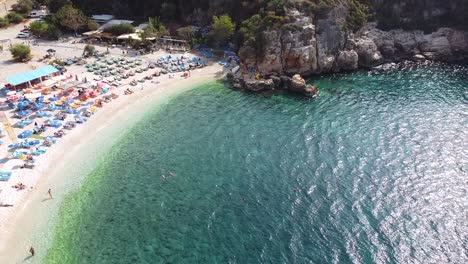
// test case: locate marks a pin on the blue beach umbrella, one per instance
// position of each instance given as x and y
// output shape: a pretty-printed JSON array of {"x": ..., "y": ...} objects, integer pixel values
[
  {"x": 25, "y": 134},
  {"x": 38, "y": 106},
  {"x": 23, "y": 104},
  {"x": 23, "y": 113}
]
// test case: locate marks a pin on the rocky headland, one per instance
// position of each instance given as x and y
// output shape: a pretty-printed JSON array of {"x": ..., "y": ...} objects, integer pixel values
[{"x": 309, "y": 45}]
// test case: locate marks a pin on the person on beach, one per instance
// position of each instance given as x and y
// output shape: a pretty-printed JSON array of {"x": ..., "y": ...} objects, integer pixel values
[
  {"x": 49, "y": 192},
  {"x": 32, "y": 251}
]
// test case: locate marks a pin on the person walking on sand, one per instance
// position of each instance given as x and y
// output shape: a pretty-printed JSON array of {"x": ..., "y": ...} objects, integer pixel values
[
  {"x": 49, "y": 192},
  {"x": 32, "y": 251}
]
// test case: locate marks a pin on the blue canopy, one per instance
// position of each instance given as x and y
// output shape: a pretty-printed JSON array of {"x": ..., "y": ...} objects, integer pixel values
[
  {"x": 31, "y": 75},
  {"x": 25, "y": 134}
]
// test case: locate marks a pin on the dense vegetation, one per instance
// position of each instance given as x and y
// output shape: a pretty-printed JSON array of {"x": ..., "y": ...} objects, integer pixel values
[
  {"x": 20, "y": 52},
  {"x": 238, "y": 21},
  {"x": 120, "y": 29},
  {"x": 422, "y": 14}
]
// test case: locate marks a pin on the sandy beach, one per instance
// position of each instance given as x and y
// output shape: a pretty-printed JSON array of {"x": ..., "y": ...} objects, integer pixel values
[{"x": 28, "y": 221}]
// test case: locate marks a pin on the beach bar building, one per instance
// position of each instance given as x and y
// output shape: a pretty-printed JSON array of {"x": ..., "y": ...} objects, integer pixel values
[
  {"x": 102, "y": 19},
  {"x": 28, "y": 79}
]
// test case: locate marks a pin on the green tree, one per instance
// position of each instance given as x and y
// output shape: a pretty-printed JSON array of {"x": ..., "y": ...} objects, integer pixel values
[
  {"x": 156, "y": 28},
  {"x": 71, "y": 18},
  {"x": 187, "y": 33},
  {"x": 53, "y": 32},
  {"x": 222, "y": 28},
  {"x": 120, "y": 29},
  {"x": 15, "y": 18},
  {"x": 23, "y": 7},
  {"x": 4, "y": 22},
  {"x": 55, "y": 5},
  {"x": 89, "y": 50},
  {"x": 38, "y": 28},
  {"x": 92, "y": 25},
  {"x": 38, "y": 3},
  {"x": 20, "y": 52}
]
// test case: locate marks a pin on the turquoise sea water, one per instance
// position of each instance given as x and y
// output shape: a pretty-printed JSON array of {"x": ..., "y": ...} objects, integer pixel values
[{"x": 375, "y": 170}]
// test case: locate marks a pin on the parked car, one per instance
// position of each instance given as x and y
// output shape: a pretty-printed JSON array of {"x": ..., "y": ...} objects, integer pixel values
[
  {"x": 23, "y": 35},
  {"x": 25, "y": 30}
]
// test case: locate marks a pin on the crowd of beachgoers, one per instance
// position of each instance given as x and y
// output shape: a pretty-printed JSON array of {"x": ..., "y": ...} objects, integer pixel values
[
  {"x": 47, "y": 111},
  {"x": 43, "y": 125}
]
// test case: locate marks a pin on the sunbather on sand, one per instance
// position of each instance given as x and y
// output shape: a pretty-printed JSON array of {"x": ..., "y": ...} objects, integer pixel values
[{"x": 20, "y": 186}]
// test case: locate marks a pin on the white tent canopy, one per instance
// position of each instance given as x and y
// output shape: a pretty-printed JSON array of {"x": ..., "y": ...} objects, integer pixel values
[{"x": 115, "y": 22}]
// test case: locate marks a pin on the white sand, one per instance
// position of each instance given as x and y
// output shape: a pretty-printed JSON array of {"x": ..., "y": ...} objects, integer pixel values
[{"x": 62, "y": 168}]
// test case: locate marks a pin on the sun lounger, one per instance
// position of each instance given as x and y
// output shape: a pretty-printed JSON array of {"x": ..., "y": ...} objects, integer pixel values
[
  {"x": 4, "y": 178},
  {"x": 5, "y": 173}
]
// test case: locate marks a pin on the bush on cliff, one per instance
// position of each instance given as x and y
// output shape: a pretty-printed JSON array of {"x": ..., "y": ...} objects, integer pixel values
[
  {"x": 358, "y": 13},
  {"x": 251, "y": 30},
  {"x": 3, "y": 22},
  {"x": 222, "y": 29},
  {"x": 15, "y": 18}
]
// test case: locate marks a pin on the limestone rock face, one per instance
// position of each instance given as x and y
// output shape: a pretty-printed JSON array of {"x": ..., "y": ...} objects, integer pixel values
[
  {"x": 259, "y": 85},
  {"x": 272, "y": 61},
  {"x": 313, "y": 45},
  {"x": 298, "y": 44},
  {"x": 348, "y": 60},
  {"x": 331, "y": 38},
  {"x": 368, "y": 52}
]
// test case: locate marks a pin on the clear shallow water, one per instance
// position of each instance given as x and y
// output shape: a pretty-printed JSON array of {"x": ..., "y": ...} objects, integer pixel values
[{"x": 375, "y": 170}]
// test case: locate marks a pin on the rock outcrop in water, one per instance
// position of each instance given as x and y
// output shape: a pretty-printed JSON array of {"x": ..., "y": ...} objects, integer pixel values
[
  {"x": 313, "y": 45},
  {"x": 295, "y": 84}
]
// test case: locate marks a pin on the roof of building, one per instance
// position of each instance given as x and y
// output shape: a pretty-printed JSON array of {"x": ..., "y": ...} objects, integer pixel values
[
  {"x": 142, "y": 26},
  {"x": 31, "y": 75},
  {"x": 102, "y": 17},
  {"x": 114, "y": 22}
]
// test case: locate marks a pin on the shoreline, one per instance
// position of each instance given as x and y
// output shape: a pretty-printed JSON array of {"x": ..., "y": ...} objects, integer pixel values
[{"x": 31, "y": 220}]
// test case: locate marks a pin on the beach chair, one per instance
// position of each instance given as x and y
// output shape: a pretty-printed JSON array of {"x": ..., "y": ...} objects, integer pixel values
[
  {"x": 4, "y": 178},
  {"x": 5, "y": 175}
]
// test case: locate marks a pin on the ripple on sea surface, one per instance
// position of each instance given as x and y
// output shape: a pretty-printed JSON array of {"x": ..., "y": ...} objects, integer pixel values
[{"x": 373, "y": 171}]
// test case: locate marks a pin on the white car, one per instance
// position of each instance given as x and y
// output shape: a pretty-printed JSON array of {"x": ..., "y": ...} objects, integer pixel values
[{"x": 23, "y": 35}]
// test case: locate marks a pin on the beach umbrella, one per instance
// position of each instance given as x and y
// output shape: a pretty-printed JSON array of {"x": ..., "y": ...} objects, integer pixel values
[
  {"x": 25, "y": 134},
  {"x": 23, "y": 104},
  {"x": 24, "y": 113},
  {"x": 38, "y": 106},
  {"x": 41, "y": 113}
]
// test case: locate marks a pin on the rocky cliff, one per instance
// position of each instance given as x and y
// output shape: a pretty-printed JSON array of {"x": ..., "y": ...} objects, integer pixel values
[{"x": 310, "y": 45}]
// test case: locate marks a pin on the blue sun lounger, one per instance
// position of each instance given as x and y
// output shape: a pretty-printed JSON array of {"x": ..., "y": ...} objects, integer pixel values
[{"x": 5, "y": 175}]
